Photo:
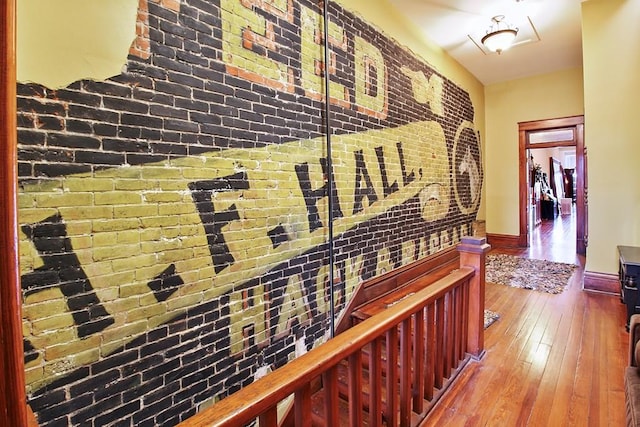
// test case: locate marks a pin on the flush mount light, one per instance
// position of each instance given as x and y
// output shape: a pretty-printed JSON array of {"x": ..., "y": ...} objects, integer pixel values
[{"x": 499, "y": 36}]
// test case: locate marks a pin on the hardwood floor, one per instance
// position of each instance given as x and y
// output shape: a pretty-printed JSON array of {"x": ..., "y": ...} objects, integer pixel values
[{"x": 551, "y": 360}]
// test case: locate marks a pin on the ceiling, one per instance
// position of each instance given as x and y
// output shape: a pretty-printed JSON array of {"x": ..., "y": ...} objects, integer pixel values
[{"x": 549, "y": 34}]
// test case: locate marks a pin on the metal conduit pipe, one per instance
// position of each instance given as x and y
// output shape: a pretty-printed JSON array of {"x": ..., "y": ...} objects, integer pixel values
[{"x": 329, "y": 172}]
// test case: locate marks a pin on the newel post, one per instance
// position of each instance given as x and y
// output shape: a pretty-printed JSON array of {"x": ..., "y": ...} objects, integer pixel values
[{"x": 472, "y": 254}]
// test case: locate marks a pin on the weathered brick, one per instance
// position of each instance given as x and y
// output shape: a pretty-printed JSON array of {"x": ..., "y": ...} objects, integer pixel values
[
  {"x": 113, "y": 225},
  {"x": 46, "y": 123},
  {"x": 53, "y": 323},
  {"x": 78, "y": 126},
  {"x": 123, "y": 411},
  {"x": 99, "y": 158},
  {"x": 172, "y": 89},
  {"x": 137, "y": 159},
  {"x": 57, "y": 169},
  {"x": 63, "y": 199},
  {"x": 122, "y": 145},
  {"x": 117, "y": 198},
  {"x": 40, "y": 106},
  {"x": 103, "y": 129},
  {"x": 77, "y": 97},
  {"x": 115, "y": 252},
  {"x": 72, "y": 141},
  {"x": 192, "y": 55},
  {"x": 88, "y": 412},
  {"x": 147, "y": 70},
  {"x": 198, "y": 108},
  {"x": 25, "y": 169}
]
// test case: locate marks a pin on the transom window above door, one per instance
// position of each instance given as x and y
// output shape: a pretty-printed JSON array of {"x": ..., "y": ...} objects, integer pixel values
[{"x": 554, "y": 135}]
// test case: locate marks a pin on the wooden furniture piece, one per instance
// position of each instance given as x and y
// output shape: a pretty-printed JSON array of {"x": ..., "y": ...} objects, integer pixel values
[
  {"x": 557, "y": 178},
  {"x": 548, "y": 209},
  {"x": 629, "y": 276},
  {"x": 570, "y": 184},
  {"x": 631, "y": 375}
]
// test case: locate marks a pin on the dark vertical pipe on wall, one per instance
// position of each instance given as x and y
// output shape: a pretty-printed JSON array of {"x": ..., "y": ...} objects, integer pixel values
[
  {"x": 13, "y": 406},
  {"x": 327, "y": 122}
]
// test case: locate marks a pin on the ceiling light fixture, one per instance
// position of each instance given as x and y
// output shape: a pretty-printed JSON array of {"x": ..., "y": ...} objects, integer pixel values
[{"x": 499, "y": 36}]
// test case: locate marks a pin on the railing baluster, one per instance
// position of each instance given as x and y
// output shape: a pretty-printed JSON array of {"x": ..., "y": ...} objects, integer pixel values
[
  {"x": 355, "y": 389},
  {"x": 439, "y": 348},
  {"x": 375, "y": 383},
  {"x": 457, "y": 330},
  {"x": 331, "y": 403},
  {"x": 430, "y": 349},
  {"x": 464, "y": 319},
  {"x": 454, "y": 328},
  {"x": 418, "y": 361},
  {"x": 405, "y": 373},
  {"x": 269, "y": 418},
  {"x": 302, "y": 405},
  {"x": 448, "y": 334},
  {"x": 392, "y": 377}
]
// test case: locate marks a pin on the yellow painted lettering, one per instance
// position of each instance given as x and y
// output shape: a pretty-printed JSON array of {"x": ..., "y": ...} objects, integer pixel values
[
  {"x": 323, "y": 290},
  {"x": 371, "y": 80},
  {"x": 294, "y": 306},
  {"x": 408, "y": 251},
  {"x": 247, "y": 318},
  {"x": 435, "y": 197},
  {"x": 247, "y": 37},
  {"x": 352, "y": 278},
  {"x": 312, "y": 55},
  {"x": 384, "y": 261},
  {"x": 427, "y": 90}
]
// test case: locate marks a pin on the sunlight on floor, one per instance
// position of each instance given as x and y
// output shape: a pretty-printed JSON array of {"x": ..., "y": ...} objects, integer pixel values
[{"x": 555, "y": 240}]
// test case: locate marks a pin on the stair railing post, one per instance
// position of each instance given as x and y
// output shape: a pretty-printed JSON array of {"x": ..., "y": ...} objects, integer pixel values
[{"x": 473, "y": 254}]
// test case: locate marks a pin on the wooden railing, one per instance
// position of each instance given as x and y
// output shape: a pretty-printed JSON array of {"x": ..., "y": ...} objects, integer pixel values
[
  {"x": 13, "y": 406},
  {"x": 412, "y": 349}
]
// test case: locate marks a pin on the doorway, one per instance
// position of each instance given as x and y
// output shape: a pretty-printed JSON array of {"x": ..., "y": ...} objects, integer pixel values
[{"x": 563, "y": 133}]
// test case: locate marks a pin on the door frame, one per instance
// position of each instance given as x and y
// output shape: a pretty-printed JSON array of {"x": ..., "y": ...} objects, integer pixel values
[{"x": 577, "y": 124}]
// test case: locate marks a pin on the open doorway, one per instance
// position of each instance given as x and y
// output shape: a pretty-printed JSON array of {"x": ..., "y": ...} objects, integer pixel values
[
  {"x": 552, "y": 192},
  {"x": 553, "y": 177}
]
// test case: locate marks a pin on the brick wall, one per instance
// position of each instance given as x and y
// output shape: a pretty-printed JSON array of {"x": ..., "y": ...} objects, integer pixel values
[{"x": 174, "y": 219}]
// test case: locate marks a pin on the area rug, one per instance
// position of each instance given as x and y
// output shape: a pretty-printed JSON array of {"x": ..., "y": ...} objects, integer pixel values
[
  {"x": 534, "y": 274},
  {"x": 490, "y": 317}
]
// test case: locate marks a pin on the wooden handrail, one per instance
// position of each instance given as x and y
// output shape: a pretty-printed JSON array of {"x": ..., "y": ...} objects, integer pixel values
[
  {"x": 260, "y": 398},
  {"x": 434, "y": 265}
]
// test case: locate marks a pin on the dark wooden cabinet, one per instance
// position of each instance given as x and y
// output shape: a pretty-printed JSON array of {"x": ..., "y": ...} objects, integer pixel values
[
  {"x": 629, "y": 276},
  {"x": 548, "y": 209}
]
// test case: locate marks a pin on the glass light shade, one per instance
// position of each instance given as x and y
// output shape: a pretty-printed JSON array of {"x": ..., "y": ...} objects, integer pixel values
[{"x": 500, "y": 40}]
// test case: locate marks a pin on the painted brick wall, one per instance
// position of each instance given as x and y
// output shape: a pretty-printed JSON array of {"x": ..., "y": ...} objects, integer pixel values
[{"x": 174, "y": 219}]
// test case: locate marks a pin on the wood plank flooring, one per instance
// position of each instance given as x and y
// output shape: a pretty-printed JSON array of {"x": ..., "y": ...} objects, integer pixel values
[{"x": 551, "y": 360}]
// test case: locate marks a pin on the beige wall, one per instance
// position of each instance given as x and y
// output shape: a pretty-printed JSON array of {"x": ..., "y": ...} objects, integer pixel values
[
  {"x": 611, "y": 42},
  {"x": 383, "y": 15},
  {"x": 52, "y": 54},
  {"x": 545, "y": 96}
]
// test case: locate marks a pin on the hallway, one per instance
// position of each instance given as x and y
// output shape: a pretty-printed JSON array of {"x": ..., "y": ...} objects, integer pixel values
[
  {"x": 555, "y": 240},
  {"x": 551, "y": 360}
]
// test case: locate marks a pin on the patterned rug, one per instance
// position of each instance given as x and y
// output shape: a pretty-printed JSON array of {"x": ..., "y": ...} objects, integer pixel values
[
  {"x": 490, "y": 317},
  {"x": 534, "y": 274}
]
